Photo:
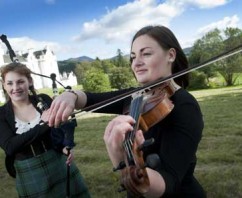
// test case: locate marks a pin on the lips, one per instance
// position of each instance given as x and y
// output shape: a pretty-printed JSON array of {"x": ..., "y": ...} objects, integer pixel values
[
  {"x": 141, "y": 71},
  {"x": 17, "y": 93}
]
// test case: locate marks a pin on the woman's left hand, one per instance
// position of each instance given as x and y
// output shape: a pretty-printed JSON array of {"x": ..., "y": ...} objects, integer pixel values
[
  {"x": 45, "y": 115},
  {"x": 114, "y": 136}
]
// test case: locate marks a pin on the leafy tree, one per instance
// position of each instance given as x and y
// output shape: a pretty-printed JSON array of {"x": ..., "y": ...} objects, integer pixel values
[
  {"x": 66, "y": 66},
  {"x": 230, "y": 67},
  {"x": 214, "y": 43},
  {"x": 96, "y": 81},
  {"x": 80, "y": 70},
  {"x": 97, "y": 64},
  {"x": 120, "y": 61},
  {"x": 107, "y": 66},
  {"x": 121, "y": 77},
  {"x": 204, "y": 49},
  {"x": 197, "y": 80}
]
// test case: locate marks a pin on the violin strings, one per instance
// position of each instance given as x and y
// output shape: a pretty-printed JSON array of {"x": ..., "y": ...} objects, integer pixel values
[
  {"x": 129, "y": 137},
  {"x": 127, "y": 149}
]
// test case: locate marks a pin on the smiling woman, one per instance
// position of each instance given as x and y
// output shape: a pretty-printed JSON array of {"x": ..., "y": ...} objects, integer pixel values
[{"x": 39, "y": 164}]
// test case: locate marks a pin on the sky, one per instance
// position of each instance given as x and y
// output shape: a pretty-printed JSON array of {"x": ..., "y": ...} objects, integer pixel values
[{"x": 98, "y": 28}]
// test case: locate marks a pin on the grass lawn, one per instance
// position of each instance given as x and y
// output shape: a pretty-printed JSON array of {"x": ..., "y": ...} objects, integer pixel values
[{"x": 219, "y": 167}]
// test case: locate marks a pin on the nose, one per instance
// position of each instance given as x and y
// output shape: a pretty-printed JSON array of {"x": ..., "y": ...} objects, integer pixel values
[
  {"x": 137, "y": 61},
  {"x": 15, "y": 86}
]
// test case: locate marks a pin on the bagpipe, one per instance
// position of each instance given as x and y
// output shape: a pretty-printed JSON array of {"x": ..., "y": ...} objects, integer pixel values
[
  {"x": 42, "y": 105},
  {"x": 63, "y": 136}
]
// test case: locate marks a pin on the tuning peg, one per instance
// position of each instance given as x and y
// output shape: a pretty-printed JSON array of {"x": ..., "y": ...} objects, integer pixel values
[
  {"x": 120, "y": 166},
  {"x": 153, "y": 162},
  {"x": 146, "y": 144},
  {"x": 121, "y": 188}
]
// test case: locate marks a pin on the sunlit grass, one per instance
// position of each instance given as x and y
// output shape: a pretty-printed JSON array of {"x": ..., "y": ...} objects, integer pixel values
[{"x": 219, "y": 166}]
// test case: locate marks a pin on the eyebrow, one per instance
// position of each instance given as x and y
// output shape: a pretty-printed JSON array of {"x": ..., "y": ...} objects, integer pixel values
[
  {"x": 141, "y": 50},
  {"x": 16, "y": 80}
]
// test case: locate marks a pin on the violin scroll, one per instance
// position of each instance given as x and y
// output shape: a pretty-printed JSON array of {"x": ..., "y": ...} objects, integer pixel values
[
  {"x": 135, "y": 180},
  {"x": 134, "y": 177}
]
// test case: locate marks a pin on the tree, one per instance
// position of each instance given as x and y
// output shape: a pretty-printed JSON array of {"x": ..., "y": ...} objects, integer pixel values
[
  {"x": 120, "y": 61},
  {"x": 204, "y": 49},
  {"x": 197, "y": 80},
  {"x": 230, "y": 67},
  {"x": 66, "y": 66},
  {"x": 107, "y": 66},
  {"x": 121, "y": 77},
  {"x": 96, "y": 81},
  {"x": 80, "y": 71},
  {"x": 97, "y": 64},
  {"x": 214, "y": 43}
]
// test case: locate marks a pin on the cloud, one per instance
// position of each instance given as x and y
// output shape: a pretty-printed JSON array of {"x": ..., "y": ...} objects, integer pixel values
[
  {"x": 24, "y": 44},
  {"x": 115, "y": 29},
  {"x": 222, "y": 24},
  {"x": 208, "y": 3},
  {"x": 50, "y": 2},
  {"x": 118, "y": 26},
  {"x": 122, "y": 22},
  {"x": 202, "y": 4}
]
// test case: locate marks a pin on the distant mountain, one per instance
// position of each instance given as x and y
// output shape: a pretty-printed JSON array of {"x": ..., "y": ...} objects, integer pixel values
[
  {"x": 80, "y": 59},
  {"x": 115, "y": 57},
  {"x": 88, "y": 59}
]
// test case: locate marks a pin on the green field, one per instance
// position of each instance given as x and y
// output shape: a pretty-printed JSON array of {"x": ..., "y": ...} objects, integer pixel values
[{"x": 219, "y": 167}]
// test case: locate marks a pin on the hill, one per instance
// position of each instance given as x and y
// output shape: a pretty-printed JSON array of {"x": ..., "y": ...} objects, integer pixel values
[
  {"x": 126, "y": 56},
  {"x": 80, "y": 59}
]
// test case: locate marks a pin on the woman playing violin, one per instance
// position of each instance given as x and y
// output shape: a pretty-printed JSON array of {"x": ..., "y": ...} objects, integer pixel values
[{"x": 155, "y": 54}]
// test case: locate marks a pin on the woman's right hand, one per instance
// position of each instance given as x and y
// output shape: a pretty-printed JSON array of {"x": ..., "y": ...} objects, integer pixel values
[{"x": 61, "y": 108}]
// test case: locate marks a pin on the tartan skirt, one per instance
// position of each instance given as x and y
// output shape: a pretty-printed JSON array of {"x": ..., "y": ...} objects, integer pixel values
[{"x": 45, "y": 176}]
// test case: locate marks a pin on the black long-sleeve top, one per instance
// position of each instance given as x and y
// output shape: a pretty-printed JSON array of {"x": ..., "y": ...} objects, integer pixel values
[
  {"x": 176, "y": 140},
  {"x": 13, "y": 143}
]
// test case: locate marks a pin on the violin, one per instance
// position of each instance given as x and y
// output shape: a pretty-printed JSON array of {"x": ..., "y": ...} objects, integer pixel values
[{"x": 147, "y": 109}]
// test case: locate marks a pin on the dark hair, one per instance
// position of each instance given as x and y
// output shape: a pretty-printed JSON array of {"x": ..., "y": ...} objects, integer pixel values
[
  {"x": 20, "y": 69},
  {"x": 167, "y": 40}
]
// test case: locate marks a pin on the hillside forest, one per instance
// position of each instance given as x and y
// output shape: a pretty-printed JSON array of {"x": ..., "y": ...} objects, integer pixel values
[{"x": 115, "y": 73}]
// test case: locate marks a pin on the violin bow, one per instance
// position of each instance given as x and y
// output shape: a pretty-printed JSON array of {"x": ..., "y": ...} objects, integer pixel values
[{"x": 149, "y": 86}]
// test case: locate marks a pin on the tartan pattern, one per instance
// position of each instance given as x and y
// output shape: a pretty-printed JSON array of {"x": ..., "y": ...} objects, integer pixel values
[{"x": 44, "y": 176}]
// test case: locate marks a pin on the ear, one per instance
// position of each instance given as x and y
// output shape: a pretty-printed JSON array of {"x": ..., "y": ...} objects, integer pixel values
[
  {"x": 3, "y": 84},
  {"x": 171, "y": 55}
]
